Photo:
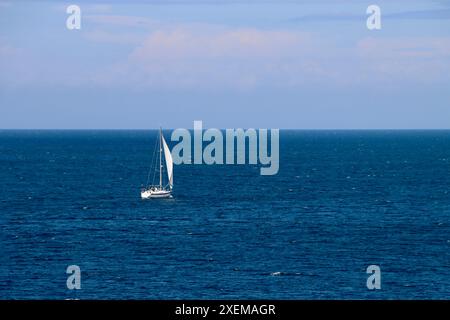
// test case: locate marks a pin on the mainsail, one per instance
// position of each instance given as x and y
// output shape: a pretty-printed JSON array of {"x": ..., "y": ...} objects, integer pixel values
[{"x": 169, "y": 162}]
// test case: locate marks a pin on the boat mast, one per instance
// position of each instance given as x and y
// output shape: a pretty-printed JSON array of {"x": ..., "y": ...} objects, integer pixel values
[{"x": 160, "y": 160}]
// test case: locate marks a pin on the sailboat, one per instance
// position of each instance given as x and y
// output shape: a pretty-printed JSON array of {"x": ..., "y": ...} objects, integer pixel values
[{"x": 161, "y": 191}]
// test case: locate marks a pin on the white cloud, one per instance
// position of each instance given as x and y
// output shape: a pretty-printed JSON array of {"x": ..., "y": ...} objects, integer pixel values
[
  {"x": 413, "y": 59},
  {"x": 415, "y": 47},
  {"x": 109, "y": 20},
  {"x": 102, "y": 36},
  {"x": 209, "y": 56},
  {"x": 212, "y": 56},
  {"x": 195, "y": 43}
]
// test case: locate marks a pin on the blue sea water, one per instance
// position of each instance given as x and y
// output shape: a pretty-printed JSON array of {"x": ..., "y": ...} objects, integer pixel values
[{"x": 342, "y": 200}]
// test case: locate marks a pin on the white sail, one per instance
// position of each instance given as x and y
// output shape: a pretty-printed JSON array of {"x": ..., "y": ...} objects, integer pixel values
[{"x": 169, "y": 162}]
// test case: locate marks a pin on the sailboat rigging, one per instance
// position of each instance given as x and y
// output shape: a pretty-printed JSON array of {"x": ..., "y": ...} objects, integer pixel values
[{"x": 161, "y": 191}]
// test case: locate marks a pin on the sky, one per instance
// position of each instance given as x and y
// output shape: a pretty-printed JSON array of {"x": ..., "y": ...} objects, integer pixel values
[{"x": 143, "y": 64}]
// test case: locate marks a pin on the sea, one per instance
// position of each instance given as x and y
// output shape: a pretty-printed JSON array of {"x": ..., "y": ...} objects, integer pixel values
[{"x": 342, "y": 201}]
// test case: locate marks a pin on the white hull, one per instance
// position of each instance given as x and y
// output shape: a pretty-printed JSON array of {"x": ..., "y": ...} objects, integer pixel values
[{"x": 156, "y": 193}]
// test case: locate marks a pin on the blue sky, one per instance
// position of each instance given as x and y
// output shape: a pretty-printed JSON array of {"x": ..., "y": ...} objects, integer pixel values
[{"x": 271, "y": 64}]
